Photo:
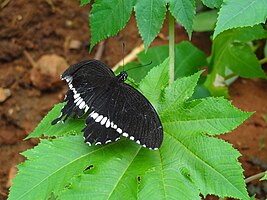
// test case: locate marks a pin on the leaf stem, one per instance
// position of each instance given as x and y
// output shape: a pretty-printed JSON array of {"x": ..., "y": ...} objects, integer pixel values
[
  {"x": 171, "y": 47},
  {"x": 262, "y": 61},
  {"x": 230, "y": 76},
  {"x": 254, "y": 177}
]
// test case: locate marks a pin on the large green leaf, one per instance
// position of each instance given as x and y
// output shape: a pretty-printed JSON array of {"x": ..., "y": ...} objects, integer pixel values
[
  {"x": 184, "y": 12},
  {"x": 107, "y": 18},
  {"x": 150, "y": 15},
  {"x": 240, "y": 13},
  {"x": 187, "y": 164}
]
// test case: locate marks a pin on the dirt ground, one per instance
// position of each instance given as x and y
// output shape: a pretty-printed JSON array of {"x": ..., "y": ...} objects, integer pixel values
[{"x": 49, "y": 27}]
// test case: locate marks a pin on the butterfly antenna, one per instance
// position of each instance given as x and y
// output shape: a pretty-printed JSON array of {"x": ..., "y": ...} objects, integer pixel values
[
  {"x": 123, "y": 51},
  {"x": 140, "y": 66}
]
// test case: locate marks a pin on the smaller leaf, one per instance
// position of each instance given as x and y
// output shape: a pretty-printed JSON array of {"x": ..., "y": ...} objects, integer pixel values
[
  {"x": 155, "y": 81},
  {"x": 188, "y": 59},
  {"x": 265, "y": 177},
  {"x": 244, "y": 62},
  {"x": 185, "y": 86},
  {"x": 205, "y": 21},
  {"x": 240, "y": 13},
  {"x": 150, "y": 15},
  {"x": 213, "y": 3},
  {"x": 84, "y": 2},
  {"x": 107, "y": 18},
  {"x": 184, "y": 12}
]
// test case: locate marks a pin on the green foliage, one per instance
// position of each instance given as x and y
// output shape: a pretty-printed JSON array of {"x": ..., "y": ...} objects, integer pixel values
[
  {"x": 150, "y": 15},
  {"x": 205, "y": 21},
  {"x": 184, "y": 12},
  {"x": 240, "y": 13},
  {"x": 84, "y": 2},
  {"x": 232, "y": 55},
  {"x": 213, "y": 3},
  {"x": 188, "y": 163},
  {"x": 265, "y": 177},
  {"x": 109, "y": 17},
  {"x": 188, "y": 60}
]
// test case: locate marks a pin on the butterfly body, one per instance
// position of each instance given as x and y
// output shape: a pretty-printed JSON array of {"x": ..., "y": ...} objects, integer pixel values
[{"x": 116, "y": 108}]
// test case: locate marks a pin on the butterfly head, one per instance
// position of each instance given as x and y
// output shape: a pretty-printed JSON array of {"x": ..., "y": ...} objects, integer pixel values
[{"x": 122, "y": 76}]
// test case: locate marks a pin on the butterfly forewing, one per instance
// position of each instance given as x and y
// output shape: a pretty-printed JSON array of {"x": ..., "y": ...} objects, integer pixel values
[{"x": 116, "y": 109}]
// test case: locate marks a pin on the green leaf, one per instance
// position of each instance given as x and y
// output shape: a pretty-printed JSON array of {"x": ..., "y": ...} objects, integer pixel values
[
  {"x": 187, "y": 164},
  {"x": 222, "y": 44},
  {"x": 265, "y": 50},
  {"x": 150, "y": 15},
  {"x": 186, "y": 88},
  {"x": 188, "y": 59},
  {"x": 265, "y": 176},
  {"x": 244, "y": 62},
  {"x": 213, "y": 3},
  {"x": 107, "y": 18},
  {"x": 155, "y": 82},
  {"x": 205, "y": 21},
  {"x": 212, "y": 116},
  {"x": 84, "y": 2},
  {"x": 184, "y": 12},
  {"x": 240, "y": 13}
]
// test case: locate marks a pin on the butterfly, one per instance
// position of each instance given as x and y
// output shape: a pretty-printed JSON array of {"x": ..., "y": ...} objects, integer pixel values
[{"x": 113, "y": 107}]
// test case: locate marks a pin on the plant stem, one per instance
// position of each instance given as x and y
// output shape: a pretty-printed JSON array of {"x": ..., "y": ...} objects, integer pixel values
[
  {"x": 262, "y": 61},
  {"x": 254, "y": 177},
  {"x": 171, "y": 47},
  {"x": 230, "y": 76}
]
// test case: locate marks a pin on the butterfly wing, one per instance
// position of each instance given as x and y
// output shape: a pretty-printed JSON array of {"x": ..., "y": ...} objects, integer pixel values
[
  {"x": 87, "y": 80},
  {"x": 127, "y": 112}
]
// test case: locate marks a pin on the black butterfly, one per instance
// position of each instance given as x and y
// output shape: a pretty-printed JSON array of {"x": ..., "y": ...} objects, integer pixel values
[{"x": 116, "y": 108}]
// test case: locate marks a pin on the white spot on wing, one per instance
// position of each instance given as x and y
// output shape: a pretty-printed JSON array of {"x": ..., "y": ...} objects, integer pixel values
[
  {"x": 115, "y": 126},
  {"x": 108, "y": 141},
  {"x": 98, "y": 119},
  {"x": 137, "y": 141},
  {"x": 76, "y": 100},
  {"x": 125, "y": 134},
  {"x": 131, "y": 138},
  {"x": 108, "y": 124},
  {"x": 82, "y": 105},
  {"x": 103, "y": 121},
  {"x": 117, "y": 139},
  {"x": 97, "y": 143},
  {"x": 94, "y": 115},
  {"x": 119, "y": 130},
  {"x": 144, "y": 145},
  {"x": 79, "y": 102},
  {"x": 155, "y": 148},
  {"x": 76, "y": 96},
  {"x": 88, "y": 143},
  {"x": 86, "y": 108}
]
